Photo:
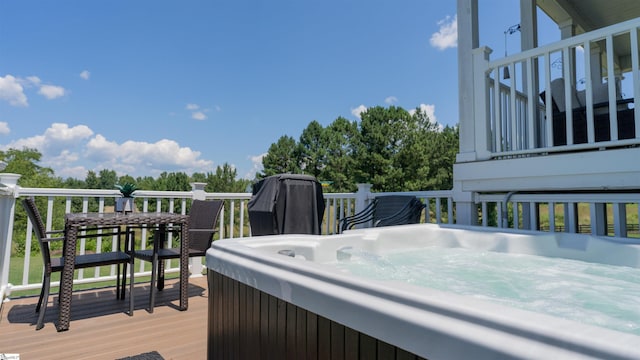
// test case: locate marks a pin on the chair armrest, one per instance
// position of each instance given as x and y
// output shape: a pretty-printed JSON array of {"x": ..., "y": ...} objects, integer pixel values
[
  {"x": 212, "y": 231},
  {"x": 50, "y": 239},
  {"x": 365, "y": 215}
]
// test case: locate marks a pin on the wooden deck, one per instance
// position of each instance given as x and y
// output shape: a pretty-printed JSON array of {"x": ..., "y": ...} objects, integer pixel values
[{"x": 101, "y": 329}]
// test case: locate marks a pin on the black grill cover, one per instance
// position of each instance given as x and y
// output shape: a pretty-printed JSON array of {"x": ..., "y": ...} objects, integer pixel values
[{"x": 286, "y": 204}]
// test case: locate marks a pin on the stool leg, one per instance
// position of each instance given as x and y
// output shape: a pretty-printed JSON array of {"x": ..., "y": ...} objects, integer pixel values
[
  {"x": 132, "y": 270},
  {"x": 154, "y": 265},
  {"x": 44, "y": 299}
]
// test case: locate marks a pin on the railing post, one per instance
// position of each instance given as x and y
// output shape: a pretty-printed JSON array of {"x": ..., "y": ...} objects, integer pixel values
[
  {"x": 362, "y": 199},
  {"x": 8, "y": 184},
  {"x": 466, "y": 207},
  {"x": 196, "y": 262},
  {"x": 198, "y": 190},
  {"x": 362, "y": 196}
]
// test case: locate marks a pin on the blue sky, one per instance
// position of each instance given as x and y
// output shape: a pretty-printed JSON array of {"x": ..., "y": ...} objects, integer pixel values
[{"x": 143, "y": 87}]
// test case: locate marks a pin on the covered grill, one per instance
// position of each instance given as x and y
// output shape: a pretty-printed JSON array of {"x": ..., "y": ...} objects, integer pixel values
[{"x": 286, "y": 204}]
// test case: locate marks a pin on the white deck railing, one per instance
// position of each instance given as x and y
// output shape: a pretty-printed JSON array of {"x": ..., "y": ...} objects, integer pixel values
[
  {"x": 233, "y": 223},
  {"x": 608, "y": 214},
  {"x": 517, "y": 122},
  {"x": 511, "y": 210}
]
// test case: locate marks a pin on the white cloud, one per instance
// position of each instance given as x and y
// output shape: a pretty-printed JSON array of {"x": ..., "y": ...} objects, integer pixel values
[
  {"x": 55, "y": 140},
  {"x": 447, "y": 35},
  {"x": 85, "y": 74},
  {"x": 48, "y": 91},
  {"x": 358, "y": 111},
  {"x": 62, "y": 132},
  {"x": 136, "y": 157},
  {"x": 60, "y": 137},
  {"x": 256, "y": 162},
  {"x": 34, "y": 142},
  {"x": 4, "y": 128},
  {"x": 391, "y": 100},
  {"x": 62, "y": 159},
  {"x": 51, "y": 91},
  {"x": 32, "y": 80},
  {"x": 199, "y": 115},
  {"x": 71, "y": 151},
  {"x": 430, "y": 110},
  {"x": 75, "y": 172},
  {"x": 59, "y": 146},
  {"x": 12, "y": 91}
]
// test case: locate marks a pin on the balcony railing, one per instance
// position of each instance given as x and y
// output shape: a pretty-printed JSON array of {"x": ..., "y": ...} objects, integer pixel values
[{"x": 527, "y": 113}]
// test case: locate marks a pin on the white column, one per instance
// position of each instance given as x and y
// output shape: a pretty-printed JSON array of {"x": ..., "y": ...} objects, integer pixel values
[
  {"x": 468, "y": 40},
  {"x": 196, "y": 262},
  {"x": 8, "y": 185},
  {"x": 529, "y": 40}
]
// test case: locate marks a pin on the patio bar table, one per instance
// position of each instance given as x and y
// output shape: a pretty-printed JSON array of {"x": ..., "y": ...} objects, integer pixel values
[{"x": 79, "y": 221}]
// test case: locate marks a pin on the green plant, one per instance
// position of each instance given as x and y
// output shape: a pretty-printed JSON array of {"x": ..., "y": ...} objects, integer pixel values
[{"x": 126, "y": 189}]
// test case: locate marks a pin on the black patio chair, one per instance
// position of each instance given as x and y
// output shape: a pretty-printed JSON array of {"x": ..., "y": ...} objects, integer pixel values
[
  {"x": 56, "y": 264},
  {"x": 386, "y": 210},
  {"x": 203, "y": 217}
]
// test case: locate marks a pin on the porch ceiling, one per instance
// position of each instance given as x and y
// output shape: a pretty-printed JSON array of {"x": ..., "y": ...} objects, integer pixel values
[{"x": 589, "y": 15}]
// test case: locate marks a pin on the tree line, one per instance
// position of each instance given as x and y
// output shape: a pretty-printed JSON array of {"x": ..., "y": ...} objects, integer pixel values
[
  {"x": 391, "y": 148},
  {"x": 26, "y": 163}
]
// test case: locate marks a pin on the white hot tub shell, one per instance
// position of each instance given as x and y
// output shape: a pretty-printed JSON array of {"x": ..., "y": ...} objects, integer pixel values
[{"x": 424, "y": 322}]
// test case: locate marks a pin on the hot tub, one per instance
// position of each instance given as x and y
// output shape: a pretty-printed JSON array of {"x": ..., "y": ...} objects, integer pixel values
[{"x": 285, "y": 297}]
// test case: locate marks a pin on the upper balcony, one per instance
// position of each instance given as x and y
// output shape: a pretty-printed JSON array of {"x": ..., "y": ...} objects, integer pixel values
[
  {"x": 527, "y": 113},
  {"x": 552, "y": 117}
]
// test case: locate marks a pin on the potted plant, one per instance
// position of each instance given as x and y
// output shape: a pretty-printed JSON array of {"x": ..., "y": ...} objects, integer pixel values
[{"x": 125, "y": 203}]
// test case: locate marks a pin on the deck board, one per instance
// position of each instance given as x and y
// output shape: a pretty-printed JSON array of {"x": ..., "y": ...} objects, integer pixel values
[{"x": 101, "y": 329}]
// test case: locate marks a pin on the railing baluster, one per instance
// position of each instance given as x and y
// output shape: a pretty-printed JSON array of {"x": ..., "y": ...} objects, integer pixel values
[
  {"x": 232, "y": 206},
  {"x": 513, "y": 113},
  {"x": 635, "y": 70},
  {"x": 589, "y": 94},
  {"x": 548, "y": 101},
  {"x": 568, "y": 91},
  {"x": 485, "y": 212},
  {"x": 498, "y": 139},
  {"x": 531, "y": 105},
  {"x": 242, "y": 202},
  {"x": 552, "y": 216},
  {"x": 613, "y": 114},
  {"x": 27, "y": 254},
  {"x": 222, "y": 222}
]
